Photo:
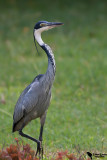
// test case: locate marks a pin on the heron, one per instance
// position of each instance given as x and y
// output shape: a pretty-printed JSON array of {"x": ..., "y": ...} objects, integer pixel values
[{"x": 35, "y": 98}]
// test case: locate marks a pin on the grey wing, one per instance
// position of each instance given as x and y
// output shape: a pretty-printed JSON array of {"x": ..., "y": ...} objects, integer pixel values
[{"x": 27, "y": 101}]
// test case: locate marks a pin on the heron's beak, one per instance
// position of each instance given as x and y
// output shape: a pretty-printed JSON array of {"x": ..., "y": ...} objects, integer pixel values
[{"x": 54, "y": 24}]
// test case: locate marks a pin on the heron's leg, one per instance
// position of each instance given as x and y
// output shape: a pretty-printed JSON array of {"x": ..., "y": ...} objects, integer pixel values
[
  {"x": 42, "y": 120},
  {"x": 39, "y": 146},
  {"x": 40, "y": 139},
  {"x": 41, "y": 133},
  {"x": 33, "y": 139},
  {"x": 29, "y": 137}
]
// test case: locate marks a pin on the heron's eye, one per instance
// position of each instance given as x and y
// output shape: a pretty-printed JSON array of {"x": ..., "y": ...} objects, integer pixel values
[{"x": 42, "y": 24}]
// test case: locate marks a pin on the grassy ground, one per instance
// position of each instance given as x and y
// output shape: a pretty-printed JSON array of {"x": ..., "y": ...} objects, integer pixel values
[{"x": 77, "y": 117}]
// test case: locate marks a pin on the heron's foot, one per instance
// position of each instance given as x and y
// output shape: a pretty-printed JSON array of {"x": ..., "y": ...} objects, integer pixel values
[{"x": 39, "y": 150}]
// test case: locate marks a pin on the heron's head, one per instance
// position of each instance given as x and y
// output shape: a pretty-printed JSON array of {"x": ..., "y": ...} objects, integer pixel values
[{"x": 43, "y": 26}]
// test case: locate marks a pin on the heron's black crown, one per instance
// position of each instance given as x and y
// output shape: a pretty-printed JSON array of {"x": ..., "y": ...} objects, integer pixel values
[{"x": 40, "y": 24}]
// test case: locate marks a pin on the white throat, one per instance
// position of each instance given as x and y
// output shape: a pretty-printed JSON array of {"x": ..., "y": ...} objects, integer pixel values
[
  {"x": 38, "y": 38},
  {"x": 37, "y": 34}
]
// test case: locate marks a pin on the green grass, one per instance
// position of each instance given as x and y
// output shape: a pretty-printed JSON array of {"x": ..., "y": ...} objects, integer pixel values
[{"x": 77, "y": 115}]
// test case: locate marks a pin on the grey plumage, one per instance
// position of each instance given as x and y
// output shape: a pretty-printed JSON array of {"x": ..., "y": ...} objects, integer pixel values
[
  {"x": 35, "y": 99},
  {"x": 32, "y": 103}
]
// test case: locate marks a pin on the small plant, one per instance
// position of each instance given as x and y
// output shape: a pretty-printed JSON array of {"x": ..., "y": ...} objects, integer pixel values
[
  {"x": 18, "y": 152},
  {"x": 24, "y": 152},
  {"x": 66, "y": 156},
  {"x": 61, "y": 155}
]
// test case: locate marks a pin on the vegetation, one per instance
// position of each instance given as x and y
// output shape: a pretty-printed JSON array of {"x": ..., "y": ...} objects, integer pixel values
[
  {"x": 77, "y": 116},
  {"x": 24, "y": 152}
]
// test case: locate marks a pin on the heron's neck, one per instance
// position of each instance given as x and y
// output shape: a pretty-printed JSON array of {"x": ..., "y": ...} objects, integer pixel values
[
  {"x": 51, "y": 61},
  {"x": 50, "y": 73}
]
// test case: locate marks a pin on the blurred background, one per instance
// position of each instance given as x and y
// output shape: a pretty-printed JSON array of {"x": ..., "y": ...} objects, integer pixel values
[{"x": 77, "y": 116}]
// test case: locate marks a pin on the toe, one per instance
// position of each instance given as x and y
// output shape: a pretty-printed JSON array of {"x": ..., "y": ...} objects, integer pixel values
[{"x": 39, "y": 149}]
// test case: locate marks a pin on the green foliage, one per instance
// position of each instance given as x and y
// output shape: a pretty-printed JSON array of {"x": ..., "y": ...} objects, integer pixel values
[{"x": 77, "y": 116}]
